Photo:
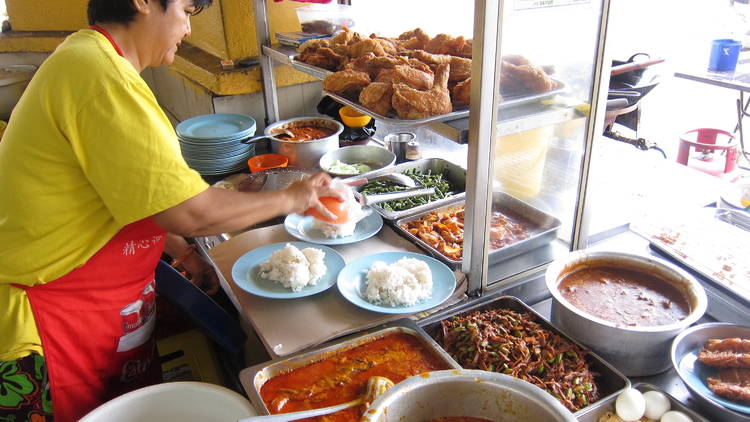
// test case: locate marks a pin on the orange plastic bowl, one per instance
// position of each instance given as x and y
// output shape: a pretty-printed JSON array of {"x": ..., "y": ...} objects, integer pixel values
[
  {"x": 267, "y": 161},
  {"x": 353, "y": 118}
]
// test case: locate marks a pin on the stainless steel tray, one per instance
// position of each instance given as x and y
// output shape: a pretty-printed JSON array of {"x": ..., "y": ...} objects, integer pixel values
[
  {"x": 593, "y": 413},
  {"x": 713, "y": 242},
  {"x": 609, "y": 380},
  {"x": 457, "y": 113},
  {"x": 453, "y": 173},
  {"x": 543, "y": 229},
  {"x": 254, "y": 377}
]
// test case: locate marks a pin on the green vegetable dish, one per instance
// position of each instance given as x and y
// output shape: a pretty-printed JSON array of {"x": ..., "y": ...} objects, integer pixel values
[{"x": 443, "y": 189}]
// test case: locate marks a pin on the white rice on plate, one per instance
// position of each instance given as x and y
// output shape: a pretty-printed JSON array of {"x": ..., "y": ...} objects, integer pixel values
[
  {"x": 294, "y": 268},
  {"x": 403, "y": 283}
]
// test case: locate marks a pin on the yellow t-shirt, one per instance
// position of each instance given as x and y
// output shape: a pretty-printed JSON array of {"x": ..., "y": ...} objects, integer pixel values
[{"x": 87, "y": 151}]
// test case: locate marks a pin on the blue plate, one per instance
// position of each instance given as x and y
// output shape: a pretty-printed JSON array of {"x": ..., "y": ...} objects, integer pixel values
[
  {"x": 685, "y": 351},
  {"x": 215, "y": 126},
  {"x": 351, "y": 282},
  {"x": 245, "y": 272},
  {"x": 301, "y": 228}
]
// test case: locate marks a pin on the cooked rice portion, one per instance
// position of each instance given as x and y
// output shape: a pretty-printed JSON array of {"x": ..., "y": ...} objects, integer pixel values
[
  {"x": 403, "y": 283},
  {"x": 294, "y": 268}
]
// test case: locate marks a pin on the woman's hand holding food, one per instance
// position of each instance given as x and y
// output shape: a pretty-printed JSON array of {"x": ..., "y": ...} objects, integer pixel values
[{"x": 306, "y": 194}]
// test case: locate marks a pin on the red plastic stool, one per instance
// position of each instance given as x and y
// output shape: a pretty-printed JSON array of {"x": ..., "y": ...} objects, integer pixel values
[{"x": 706, "y": 143}]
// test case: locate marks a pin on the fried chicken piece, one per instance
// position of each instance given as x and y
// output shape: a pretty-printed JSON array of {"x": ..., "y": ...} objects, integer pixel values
[
  {"x": 516, "y": 59},
  {"x": 525, "y": 78},
  {"x": 390, "y": 46},
  {"x": 447, "y": 44},
  {"x": 314, "y": 44},
  {"x": 324, "y": 58},
  {"x": 373, "y": 65},
  {"x": 732, "y": 383},
  {"x": 460, "y": 66},
  {"x": 343, "y": 37},
  {"x": 341, "y": 49},
  {"x": 346, "y": 82},
  {"x": 403, "y": 74},
  {"x": 415, "y": 39},
  {"x": 726, "y": 353},
  {"x": 461, "y": 93},
  {"x": 377, "y": 97},
  {"x": 363, "y": 47},
  {"x": 413, "y": 104}
]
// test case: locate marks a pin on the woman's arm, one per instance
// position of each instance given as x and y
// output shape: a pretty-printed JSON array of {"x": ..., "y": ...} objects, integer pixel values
[{"x": 215, "y": 211}]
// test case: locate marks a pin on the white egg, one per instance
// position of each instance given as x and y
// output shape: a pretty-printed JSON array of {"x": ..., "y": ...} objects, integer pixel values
[
  {"x": 630, "y": 405},
  {"x": 657, "y": 404},
  {"x": 675, "y": 416}
]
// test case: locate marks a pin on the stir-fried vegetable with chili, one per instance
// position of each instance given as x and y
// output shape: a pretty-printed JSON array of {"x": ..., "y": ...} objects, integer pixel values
[
  {"x": 504, "y": 341},
  {"x": 439, "y": 181}
]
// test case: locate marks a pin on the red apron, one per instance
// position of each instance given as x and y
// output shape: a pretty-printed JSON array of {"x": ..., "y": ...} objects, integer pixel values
[{"x": 96, "y": 323}]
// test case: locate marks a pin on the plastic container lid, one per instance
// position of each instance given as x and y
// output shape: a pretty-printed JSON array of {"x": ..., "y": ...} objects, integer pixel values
[{"x": 222, "y": 126}]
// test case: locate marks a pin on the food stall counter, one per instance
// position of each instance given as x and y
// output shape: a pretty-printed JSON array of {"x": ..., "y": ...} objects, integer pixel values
[{"x": 286, "y": 326}]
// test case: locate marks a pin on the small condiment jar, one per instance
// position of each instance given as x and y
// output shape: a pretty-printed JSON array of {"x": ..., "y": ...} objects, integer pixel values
[{"x": 412, "y": 151}]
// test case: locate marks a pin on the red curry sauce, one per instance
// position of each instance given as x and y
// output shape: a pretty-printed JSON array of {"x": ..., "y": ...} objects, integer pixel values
[
  {"x": 623, "y": 296},
  {"x": 306, "y": 133},
  {"x": 459, "y": 419},
  {"x": 343, "y": 377}
]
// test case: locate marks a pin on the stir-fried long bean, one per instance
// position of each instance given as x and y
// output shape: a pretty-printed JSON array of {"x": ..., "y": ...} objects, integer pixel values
[
  {"x": 504, "y": 341},
  {"x": 426, "y": 179}
]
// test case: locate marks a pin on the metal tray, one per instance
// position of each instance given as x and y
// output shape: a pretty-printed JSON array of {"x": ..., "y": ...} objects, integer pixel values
[
  {"x": 593, "y": 413},
  {"x": 455, "y": 175},
  {"x": 254, "y": 377},
  {"x": 609, "y": 380},
  {"x": 713, "y": 242},
  {"x": 543, "y": 229},
  {"x": 458, "y": 112}
]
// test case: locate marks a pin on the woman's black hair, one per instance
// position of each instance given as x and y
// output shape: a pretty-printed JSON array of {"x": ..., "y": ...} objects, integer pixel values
[{"x": 123, "y": 11}]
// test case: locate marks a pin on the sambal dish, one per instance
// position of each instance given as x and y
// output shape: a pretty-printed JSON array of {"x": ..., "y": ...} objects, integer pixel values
[
  {"x": 343, "y": 376},
  {"x": 444, "y": 230},
  {"x": 306, "y": 133}
]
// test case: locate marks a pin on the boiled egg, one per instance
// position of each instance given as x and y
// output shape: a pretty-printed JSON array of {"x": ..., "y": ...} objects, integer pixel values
[
  {"x": 675, "y": 416},
  {"x": 657, "y": 404},
  {"x": 630, "y": 405}
]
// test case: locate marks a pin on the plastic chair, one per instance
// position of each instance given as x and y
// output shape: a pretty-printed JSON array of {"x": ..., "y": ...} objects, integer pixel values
[{"x": 213, "y": 320}]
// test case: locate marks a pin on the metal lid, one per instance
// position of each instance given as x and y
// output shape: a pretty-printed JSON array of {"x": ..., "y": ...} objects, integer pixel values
[{"x": 16, "y": 73}]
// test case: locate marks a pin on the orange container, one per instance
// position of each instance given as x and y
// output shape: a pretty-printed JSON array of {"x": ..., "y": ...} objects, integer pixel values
[{"x": 267, "y": 161}]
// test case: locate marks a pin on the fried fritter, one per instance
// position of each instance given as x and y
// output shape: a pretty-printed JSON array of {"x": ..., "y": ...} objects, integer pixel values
[{"x": 377, "y": 97}]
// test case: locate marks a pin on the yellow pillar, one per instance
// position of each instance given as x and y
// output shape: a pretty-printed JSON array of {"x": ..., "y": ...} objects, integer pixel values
[{"x": 224, "y": 31}]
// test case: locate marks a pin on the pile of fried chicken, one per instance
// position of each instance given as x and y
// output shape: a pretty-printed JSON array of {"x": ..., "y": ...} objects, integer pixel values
[{"x": 415, "y": 75}]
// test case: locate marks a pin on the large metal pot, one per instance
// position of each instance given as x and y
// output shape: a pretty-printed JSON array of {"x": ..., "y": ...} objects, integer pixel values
[
  {"x": 468, "y": 393},
  {"x": 305, "y": 154},
  {"x": 636, "y": 351}
]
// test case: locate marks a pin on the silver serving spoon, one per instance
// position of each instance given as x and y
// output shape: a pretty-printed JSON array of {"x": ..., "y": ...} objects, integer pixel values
[
  {"x": 375, "y": 386},
  {"x": 392, "y": 196},
  {"x": 270, "y": 136}
]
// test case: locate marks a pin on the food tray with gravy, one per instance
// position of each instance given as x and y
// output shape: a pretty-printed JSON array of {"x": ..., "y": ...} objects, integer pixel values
[
  {"x": 458, "y": 112},
  {"x": 397, "y": 347},
  {"x": 516, "y": 227},
  {"x": 598, "y": 412},
  {"x": 454, "y": 175},
  {"x": 493, "y": 346},
  {"x": 713, "y": 242}
]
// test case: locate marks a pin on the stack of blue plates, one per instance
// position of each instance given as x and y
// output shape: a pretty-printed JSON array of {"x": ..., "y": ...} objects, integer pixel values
[{"x": 211, "y": 143}]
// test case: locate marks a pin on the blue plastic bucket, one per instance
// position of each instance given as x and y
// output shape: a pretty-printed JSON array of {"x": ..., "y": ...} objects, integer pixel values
[{"x": 724, "y": 54}]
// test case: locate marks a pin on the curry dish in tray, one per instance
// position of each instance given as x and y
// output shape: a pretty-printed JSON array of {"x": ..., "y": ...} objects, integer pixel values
[{"x": 343, "y": 376}]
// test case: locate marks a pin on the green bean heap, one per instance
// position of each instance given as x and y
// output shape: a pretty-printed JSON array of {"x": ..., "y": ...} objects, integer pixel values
[{"x": 443, "y": 189}]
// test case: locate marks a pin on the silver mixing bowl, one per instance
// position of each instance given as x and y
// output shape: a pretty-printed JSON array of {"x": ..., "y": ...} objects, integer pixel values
[
  {"x": 468, "y": 393},
  {"x": 636, "y": 351},
  {"x": 374, "y": 156}
]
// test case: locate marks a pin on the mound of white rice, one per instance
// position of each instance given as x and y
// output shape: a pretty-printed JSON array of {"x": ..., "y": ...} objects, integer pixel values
[
  {"x": 332, "y": 230},
  {"x": 293, "y": 268},
  {"x": 403, "y": 283}
]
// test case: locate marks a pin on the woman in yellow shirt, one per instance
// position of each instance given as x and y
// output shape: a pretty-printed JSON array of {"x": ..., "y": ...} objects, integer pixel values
[{"x": 91, "y": 180}]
